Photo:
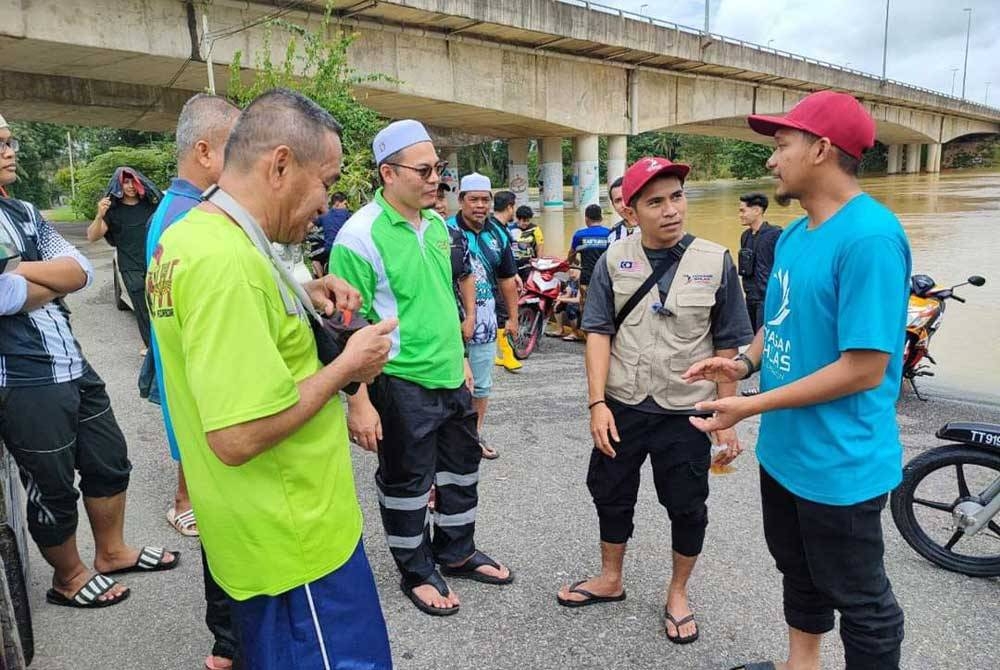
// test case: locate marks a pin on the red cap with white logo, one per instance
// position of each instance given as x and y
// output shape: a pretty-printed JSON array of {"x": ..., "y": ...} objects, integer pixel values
[
  {"x": 645, "y": 169},
  {"x": 836, "y": 116}
]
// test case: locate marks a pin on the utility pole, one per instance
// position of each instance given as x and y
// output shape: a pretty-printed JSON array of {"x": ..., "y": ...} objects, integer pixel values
[
  {"x": 72, "y": 171},
  {"x": 954, "y": 71},
  {"x": 968, "y": 32},
  {"x": 885, "y": 39},
  {"x": 208, "y": 50},
  {"x": 706, "y": 18}
]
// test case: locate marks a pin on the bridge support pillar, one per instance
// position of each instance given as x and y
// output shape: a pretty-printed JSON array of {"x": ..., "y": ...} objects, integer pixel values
[
  {"x": 913, "y": 158},
  {"x": 451, "y": 178},
  {"x": 894, "y": 159},
  {"x": 517, "y": 170},
  {"x": 933, "y": 163},
  {"x": 588, "y": 174},
  {"x": 551, "y": 173},
  {"x": 576, "y": 173},
  {"x": 617, "y": 157}
]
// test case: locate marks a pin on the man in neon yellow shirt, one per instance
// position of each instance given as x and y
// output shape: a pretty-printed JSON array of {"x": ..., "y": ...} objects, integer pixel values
[
  {"x": 396, "y": 251},
  {"x": 260, "y": 428}
]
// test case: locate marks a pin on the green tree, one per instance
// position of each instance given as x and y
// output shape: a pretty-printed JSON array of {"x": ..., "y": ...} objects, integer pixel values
[
  {"x": 316, "y": 66},
  {"x": 42, "y": 145},
  {"x": 747, "y": 160},
  {"x": 158, "y": 162}
]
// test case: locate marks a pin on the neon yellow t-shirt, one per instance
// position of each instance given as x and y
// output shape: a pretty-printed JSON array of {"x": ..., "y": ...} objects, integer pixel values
[{"x": 230, "y": 354}]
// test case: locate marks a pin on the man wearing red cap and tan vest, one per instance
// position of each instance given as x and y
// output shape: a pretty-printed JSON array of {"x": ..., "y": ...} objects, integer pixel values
[
  {"x": 830, "y": 355},
  {"x": 657, "y": 302}
]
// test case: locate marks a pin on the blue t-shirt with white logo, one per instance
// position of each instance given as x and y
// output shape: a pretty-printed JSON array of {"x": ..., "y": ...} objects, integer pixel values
[{"x": 838, "y": 287}]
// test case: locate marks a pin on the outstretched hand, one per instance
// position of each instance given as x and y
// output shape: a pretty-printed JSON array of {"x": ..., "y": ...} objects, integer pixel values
[
  {"x": 726, "y": 413},
  {"x": 716, "y": 369}
]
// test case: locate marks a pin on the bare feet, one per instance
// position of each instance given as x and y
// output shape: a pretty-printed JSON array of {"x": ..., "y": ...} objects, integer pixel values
[
  {"x": 69, "y": 587},
  {"x": 601, "y": 586},
  {"x": 432, "y": 597},
  {"x": 218, "y": 663},
  {"x": 677, "y": 605},
  {"x": 125, "y": 558}
]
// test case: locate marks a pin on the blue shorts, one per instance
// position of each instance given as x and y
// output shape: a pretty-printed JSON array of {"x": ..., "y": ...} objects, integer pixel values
[
  {"x": 334, "y": 622},
  {"x": 481, "y": 361}
]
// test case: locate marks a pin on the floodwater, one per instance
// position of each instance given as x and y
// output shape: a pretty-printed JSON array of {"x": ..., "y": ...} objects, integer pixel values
[{"x": 953, "y": 223}]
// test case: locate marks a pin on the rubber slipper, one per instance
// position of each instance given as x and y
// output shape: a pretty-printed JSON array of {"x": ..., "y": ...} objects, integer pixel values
[
  {"x": 433, "y": 580},
  {"x": 591, "y": 598},
  {"x": 766, "y": 665},
  {"x": 468, "y": 570},
  {"x": 489, "y": 453},
  {"x": 680, "y": 639},
  {"x": 87, "y": 596},
  {"x": 150, "y": 560},
  {"x": 184, "y": 523}
]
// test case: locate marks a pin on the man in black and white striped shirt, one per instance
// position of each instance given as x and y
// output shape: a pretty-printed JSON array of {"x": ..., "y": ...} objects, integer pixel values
[{"x": 55, "y": 416}]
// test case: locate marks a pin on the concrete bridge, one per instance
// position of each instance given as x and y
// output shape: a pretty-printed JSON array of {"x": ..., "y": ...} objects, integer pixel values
[{"x": 511, "y": 69}]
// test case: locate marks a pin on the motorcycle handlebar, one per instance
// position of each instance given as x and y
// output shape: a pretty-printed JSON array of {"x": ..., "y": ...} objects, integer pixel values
[{"x": 957, "y": 298}]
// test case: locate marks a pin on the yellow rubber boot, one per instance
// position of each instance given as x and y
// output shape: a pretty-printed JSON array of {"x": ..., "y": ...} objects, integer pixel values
[{"x": 506, "y": 357}]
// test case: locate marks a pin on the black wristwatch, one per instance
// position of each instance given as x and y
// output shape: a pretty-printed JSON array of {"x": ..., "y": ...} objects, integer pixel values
[{"x": 751, "y": 368}]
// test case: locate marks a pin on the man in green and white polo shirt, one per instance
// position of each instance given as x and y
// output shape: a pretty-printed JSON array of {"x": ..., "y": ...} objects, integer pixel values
[{"x": 418, "y": 414}]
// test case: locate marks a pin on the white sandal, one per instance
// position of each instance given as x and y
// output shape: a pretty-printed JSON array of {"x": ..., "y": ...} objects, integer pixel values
[{"x": 184, "y": 523}]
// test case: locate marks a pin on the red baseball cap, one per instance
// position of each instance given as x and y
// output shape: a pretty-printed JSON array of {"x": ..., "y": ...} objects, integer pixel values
[
  {"x": 837, "y": 116},
  {"x": 643, "y": 170}
]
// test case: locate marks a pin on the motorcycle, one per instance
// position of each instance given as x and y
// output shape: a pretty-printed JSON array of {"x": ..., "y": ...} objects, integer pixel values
[
  {"x": 924, "y": 316},
  {"x": 946, "y": 504},
  {"x": 537, "y": 302}
]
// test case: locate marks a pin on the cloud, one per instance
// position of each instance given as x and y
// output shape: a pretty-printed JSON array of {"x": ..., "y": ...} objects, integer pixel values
[{"x": 926, "y": 37}]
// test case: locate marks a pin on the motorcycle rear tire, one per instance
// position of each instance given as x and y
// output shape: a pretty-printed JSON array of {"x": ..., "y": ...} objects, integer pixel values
[
  {"x": 530, "y": 323},
  {"x": 902, "y": 508}
]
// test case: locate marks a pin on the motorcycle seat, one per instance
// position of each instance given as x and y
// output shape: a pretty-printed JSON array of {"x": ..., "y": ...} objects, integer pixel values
[{"x": 971, "y": 433}]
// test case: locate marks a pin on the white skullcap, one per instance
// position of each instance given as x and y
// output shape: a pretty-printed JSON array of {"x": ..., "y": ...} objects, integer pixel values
[
  {"x": 396, "y": 136},
  {"x": 3, "y": 122},
  {"x": 475, "y": 182}
]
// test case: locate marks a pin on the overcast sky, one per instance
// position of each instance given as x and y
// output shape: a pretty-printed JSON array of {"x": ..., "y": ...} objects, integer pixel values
[{"x": 926, "y": 37}]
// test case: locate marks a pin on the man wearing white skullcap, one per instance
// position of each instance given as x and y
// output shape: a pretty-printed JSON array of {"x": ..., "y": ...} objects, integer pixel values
[
  {"x": 396, "y": 252},
  {"x": 495, "y": 269}
]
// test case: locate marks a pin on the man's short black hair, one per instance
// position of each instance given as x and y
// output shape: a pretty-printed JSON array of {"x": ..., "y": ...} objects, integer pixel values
[
  {"x": 502, "y": 200},
  {"x": 338, "y": 197},
  {"x": 443, "y": 188},
  {"x": 593, "y": 213},
  {"x": 755, "y": 200},
  {"x": 617, "y": 183},
  {"x": 524, "y": 212},
  {"x": 279, "y": 117}
]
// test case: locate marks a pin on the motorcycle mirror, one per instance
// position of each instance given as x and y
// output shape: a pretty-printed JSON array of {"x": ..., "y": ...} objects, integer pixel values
[{"x": 976, "y": 280}]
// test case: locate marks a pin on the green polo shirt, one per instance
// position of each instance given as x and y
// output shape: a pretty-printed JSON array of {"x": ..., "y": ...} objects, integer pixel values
[{"x": 405, "y": 273}]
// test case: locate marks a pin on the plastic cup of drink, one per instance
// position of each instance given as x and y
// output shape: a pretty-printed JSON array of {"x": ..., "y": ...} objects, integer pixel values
[{"x": 718, "y": 450}]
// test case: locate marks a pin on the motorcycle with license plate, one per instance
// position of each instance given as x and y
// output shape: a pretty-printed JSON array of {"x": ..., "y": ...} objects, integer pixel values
[{"x": 946, "y": 505}]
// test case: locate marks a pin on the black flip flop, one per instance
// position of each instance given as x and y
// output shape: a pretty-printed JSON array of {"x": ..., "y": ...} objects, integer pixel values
[
  {"x": 150, "y": 560},
  {"x": 766, "y": 665},
  {"x": 468, "y": 570},
  {"x": 591, "y": 598},
  {"x": 680, "y": 639},
  {"x": 87, "y": 596},
  {"x": 433, "y": 580}
]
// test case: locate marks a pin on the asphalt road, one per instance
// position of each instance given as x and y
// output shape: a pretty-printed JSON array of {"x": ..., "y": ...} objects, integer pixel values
[{"x": 535, "y": 514}]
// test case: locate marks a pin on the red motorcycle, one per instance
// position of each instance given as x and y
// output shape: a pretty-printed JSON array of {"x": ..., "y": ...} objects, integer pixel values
[{"x": 537, "y": 302}]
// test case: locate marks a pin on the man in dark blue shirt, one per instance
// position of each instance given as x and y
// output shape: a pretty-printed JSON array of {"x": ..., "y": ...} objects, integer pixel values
[{"x": 334, "y": 219}]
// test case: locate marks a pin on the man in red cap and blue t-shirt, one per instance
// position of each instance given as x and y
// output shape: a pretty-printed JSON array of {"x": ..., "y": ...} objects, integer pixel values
[
  {"x": 830, "y": 355},
  {"x": 658, "y": 301}
]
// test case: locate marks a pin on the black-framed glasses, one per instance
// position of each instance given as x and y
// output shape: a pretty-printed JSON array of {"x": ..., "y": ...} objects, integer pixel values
[
  {"x": 10, "y": 143},
  {"x": 424, "y": 171}
]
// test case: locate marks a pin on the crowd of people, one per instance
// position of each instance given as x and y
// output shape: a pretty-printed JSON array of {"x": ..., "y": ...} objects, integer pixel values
[{"x": 389, "y": 341}]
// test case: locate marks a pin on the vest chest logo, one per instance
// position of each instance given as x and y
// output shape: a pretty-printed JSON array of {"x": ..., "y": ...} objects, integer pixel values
[
  {"x": 443, "y": 245},
  {"x": 631, "y": 266},
  {"x": 702, "y": 279}
]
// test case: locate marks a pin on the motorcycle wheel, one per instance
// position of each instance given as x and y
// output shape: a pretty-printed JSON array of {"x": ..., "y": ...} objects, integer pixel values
[
  {"x": 914, "y": 529},
  {"x": 529, "y": 329}
]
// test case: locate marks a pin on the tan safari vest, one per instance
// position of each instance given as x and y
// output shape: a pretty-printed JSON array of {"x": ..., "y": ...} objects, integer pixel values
[{"x": 651, "y": 351}]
